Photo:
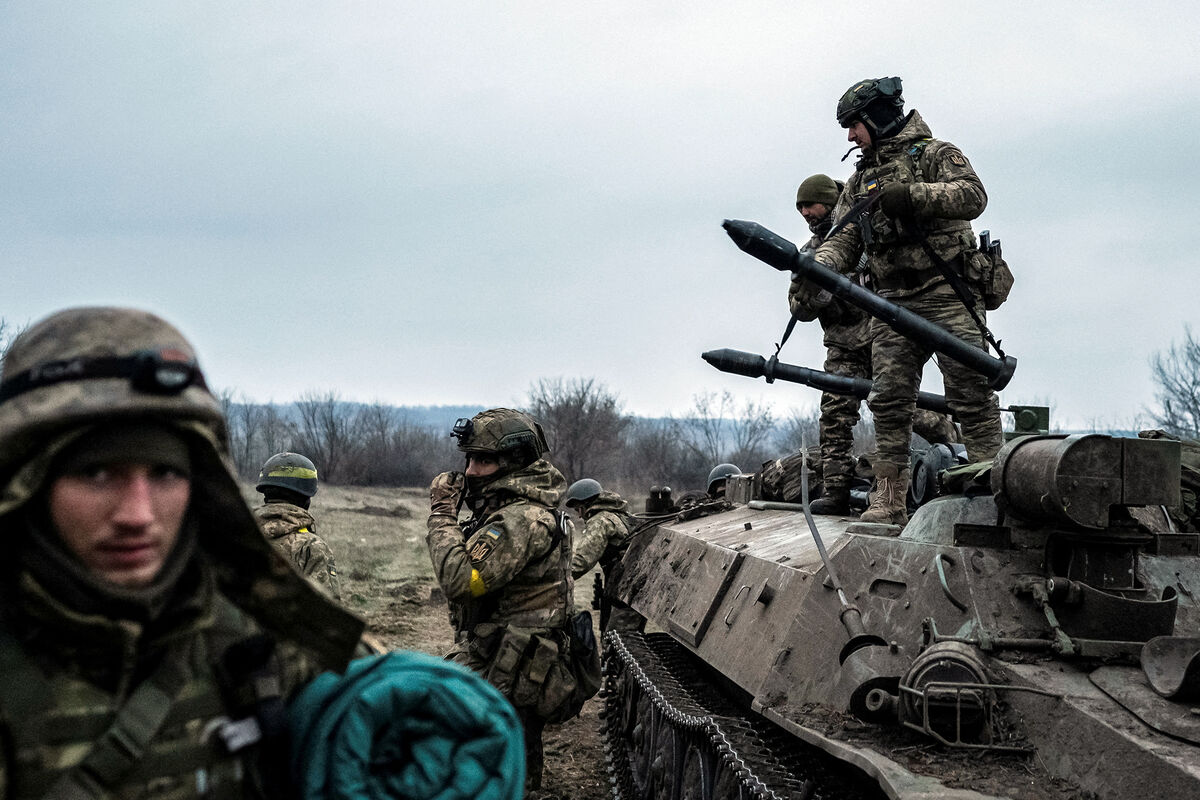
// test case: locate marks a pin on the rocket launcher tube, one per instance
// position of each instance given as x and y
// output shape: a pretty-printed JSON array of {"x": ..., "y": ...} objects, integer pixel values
[
  {"x": 784, "y": 256},
  {"x": 739, "y": 362}
]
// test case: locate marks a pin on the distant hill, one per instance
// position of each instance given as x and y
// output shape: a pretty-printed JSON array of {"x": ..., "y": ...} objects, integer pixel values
[{"x": 437, "y": 416}]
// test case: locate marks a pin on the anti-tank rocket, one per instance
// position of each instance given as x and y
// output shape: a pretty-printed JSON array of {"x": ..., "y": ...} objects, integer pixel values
[{"x": 784, "y": 256}]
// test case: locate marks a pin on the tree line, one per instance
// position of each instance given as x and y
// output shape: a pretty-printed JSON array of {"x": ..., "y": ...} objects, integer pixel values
[{"x": 590, "y": 433}]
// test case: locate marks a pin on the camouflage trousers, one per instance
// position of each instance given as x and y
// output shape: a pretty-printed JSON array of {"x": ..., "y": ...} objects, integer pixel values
[
  {"x": 897, "y": 362},
  {"x": 839, "y": 414}
]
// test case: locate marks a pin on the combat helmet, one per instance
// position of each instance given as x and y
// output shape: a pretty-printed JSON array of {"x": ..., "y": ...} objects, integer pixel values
[
  {"x": 290, "y": 471},
  {"x": 84, "y": 368},
  {"x": 878, "y": 102},
  {"x": 720, "y": 473},
  {"x": 513, "y": 437},
  {"x": 583, "y": 490},
  {"x": 84, "y": 365}
]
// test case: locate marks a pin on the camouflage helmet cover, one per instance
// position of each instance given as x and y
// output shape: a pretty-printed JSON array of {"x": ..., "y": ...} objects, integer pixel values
[
  {"x": 83, "y": 365},
  {"x": 721, "y": 472},
  {"x": 290, "y": 471},
  {"x": 583, "y": 490},
  {"x": 503, "y": 432},
  {"x": 878, "y": 102}
]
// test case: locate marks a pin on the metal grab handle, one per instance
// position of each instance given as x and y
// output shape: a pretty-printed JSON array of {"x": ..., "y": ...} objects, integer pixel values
[
  {"x": 733, "y": 605},
  {"x": 941, "y": 571}
]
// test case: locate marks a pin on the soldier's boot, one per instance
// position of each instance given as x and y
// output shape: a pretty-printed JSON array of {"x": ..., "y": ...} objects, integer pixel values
[
  {"x": 836, "y": 500},
  {"x": 887, "y": 499}
]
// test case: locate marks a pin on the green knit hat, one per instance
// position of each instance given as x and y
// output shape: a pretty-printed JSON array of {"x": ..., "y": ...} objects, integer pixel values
[{"x": 818, "y": 189}]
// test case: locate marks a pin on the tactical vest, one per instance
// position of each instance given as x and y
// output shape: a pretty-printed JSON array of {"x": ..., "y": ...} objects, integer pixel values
[
  {"x": 171, "y": 738},
  {"x": 537, "y": 595},
  {"x": 949, "y": 238}
]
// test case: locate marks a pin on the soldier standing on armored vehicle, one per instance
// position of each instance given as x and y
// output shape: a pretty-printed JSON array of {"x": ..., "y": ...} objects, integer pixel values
[
  {"x": 924, "y": 194},
  {"x": 506, "y": 570},
  {"x": 847, "y": 342},
  {"x": 603, "y": 540},
  {"x": 149, "y": 634},
  {"x": 287, "y": 482}
]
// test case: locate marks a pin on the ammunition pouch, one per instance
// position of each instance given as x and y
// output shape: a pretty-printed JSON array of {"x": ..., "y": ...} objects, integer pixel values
[{"x": 550, "y": 673}]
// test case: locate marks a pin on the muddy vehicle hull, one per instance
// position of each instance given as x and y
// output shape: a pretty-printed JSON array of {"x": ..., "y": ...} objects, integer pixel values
[{"x": 1009, "y": 636}]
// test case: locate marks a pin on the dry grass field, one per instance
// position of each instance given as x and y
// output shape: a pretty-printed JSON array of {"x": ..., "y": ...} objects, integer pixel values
[{"x": 378, "y": 540}]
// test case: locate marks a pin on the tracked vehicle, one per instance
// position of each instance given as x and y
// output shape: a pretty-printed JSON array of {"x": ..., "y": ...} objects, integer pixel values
[{"x": 1033, "y": 632}]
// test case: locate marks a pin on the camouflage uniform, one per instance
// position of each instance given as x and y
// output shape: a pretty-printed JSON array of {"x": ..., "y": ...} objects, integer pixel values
[
  {"x": 603, "y": 541},
  {"x": 128, "y": 691},
  {"x": 847, "y": 352},
  {"x": 506, "y": 574},
  {"x": 291, "y": 529},
  {"x": 946, "y": 192}
]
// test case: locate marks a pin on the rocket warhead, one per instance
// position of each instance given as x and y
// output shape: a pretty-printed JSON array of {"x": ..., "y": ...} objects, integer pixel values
[{"x": 763, "y": 244}]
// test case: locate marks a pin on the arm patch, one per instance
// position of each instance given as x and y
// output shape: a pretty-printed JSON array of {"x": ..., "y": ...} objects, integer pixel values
[{"x": 484, "y": 544}]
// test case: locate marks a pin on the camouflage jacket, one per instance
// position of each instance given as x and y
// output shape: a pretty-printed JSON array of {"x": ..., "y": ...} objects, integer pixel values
[
  {"x": 946, "y": 194},
  {"x": 604, "y": 537},
  {"x": 291, "y": 530},
  {"x": 843, "y": 324},
  {"x": 510, "y": 562},
  {"x": 66, "y": 673}
]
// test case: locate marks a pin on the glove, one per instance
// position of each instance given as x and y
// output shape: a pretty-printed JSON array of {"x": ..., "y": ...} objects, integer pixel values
[
  {"x": 445, "y": 492},
  {"x": 896, "y": 201}
]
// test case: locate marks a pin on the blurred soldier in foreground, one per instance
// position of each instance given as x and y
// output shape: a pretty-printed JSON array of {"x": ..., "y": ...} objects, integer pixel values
[
  {"x": 915, "y": 232},
  {"x": 847, "y": 349},
  {"x": 287, "y": 483},
  {"x": 150, "y": 635},
  {"x": 603, "y": 540},
  {"x": 506, "y": 570}
]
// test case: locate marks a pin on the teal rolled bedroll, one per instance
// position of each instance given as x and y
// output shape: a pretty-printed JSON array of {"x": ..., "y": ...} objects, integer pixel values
[{"x": 405, "y": 725}]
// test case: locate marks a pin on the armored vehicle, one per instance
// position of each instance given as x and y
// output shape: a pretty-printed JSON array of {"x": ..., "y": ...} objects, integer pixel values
[{"x": 1033, "y": 632}]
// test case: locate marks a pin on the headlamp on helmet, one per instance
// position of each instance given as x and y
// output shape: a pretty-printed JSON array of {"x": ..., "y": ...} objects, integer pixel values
[{"x": 507, "y": 434}]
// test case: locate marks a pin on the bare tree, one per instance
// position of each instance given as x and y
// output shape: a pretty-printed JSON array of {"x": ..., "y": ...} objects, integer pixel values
[
  {"x": 8, "y": 332},
  {"x": 584, "y": 422},
  {"x": 717, "y": 430},
  {"x": 1177, "y": 373},
  {"x": 657, "y": 453},
  {"x": 327, "y": 432},
  {"x": 244, "y": 420},
  {"x": 704, "y": 428},
  {"x": 803, "y": 427},
  {"x": 752, "y": 427}
]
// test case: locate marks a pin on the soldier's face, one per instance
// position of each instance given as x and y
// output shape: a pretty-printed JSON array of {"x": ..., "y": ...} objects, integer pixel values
[
  {"x": 859, "y": 134},
  {"x": 120, "y": 520},
  {"x": 814, "y": 212},
  {"x": 481, "y": 465}
]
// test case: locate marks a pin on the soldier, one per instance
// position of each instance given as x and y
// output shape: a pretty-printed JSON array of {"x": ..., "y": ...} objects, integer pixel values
[
  {"x": 287, "y": 483},
  {"x": 149, "y": 634},
  {"x": 847, "y": 349},
  {"x": 603, "y": 540},
  {"x": 718, "y": 476},
  {"x": 507, "y": 570},
  {"x": 916, "y": 230}
]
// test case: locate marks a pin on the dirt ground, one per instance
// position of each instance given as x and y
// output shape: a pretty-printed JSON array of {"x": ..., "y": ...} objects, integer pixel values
[{"x": 378, "y": 541}]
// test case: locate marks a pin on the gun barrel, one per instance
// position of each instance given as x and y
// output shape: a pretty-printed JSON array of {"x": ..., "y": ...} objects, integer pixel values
[
  {"x": 784, "y": 256},
  {"x": 739, "y": 362}
]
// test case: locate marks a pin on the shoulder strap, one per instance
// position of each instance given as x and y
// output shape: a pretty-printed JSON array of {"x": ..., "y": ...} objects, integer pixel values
[{"x": 121, "y": 747}]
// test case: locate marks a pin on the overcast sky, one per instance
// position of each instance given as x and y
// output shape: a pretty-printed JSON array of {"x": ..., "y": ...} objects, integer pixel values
[{"x": 441, "y": 202}]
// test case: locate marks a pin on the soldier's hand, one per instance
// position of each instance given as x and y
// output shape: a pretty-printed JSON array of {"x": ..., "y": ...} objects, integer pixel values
[
  {"x": 445, "y": 491},
  {"x": 896, "y": 201}
]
